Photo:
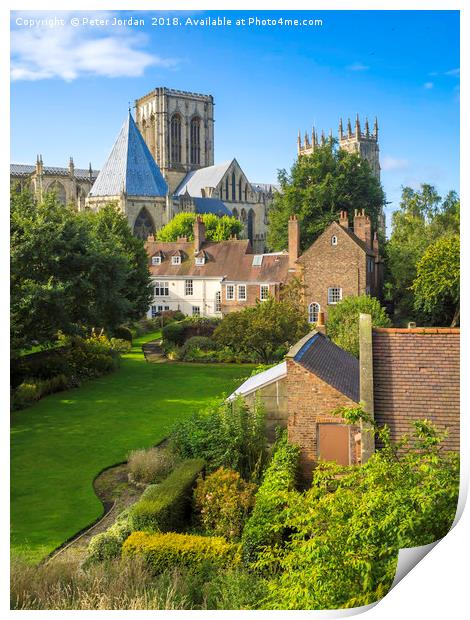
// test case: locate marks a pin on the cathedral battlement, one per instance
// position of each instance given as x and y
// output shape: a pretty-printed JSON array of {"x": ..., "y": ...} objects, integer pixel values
[{"x": 163, "y": 90}]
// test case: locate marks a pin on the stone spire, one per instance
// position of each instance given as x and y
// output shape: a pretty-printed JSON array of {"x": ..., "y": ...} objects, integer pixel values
[
  {"x": 367, "y": 128},
  {"x": 349, "y": 128},
  {"x": 340, "y": 129},
  {"x": 71, "y": 167},
  {"x": 358, "y": 127},
  {"x": 90, "y": 172},
  {"x": 376, "y": 129}
]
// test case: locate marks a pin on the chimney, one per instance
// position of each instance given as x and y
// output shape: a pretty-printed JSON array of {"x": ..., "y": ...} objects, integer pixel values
[
  {"x": 343, "y": 219},
  {"x": 362, "y": 227},
  {"x": 294, "y": 241},
  {"x": 320, "y": 326},
  {"x": 199, "y": 234}
]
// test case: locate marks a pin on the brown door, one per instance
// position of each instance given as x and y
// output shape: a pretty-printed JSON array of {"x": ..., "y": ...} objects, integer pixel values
[{"x": 333, "y": 443}]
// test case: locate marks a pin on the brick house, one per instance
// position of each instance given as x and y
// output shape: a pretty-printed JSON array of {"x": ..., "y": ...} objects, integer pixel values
[{"x": 340, "y": 263}]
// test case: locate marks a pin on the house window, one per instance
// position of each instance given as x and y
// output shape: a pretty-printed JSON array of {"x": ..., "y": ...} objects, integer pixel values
[
  {"x": 196, "y": 311},
  {"x": 176, "y": 260},
  {"x": 188, "y": 287},
  {"x": 196, "y": 141},
  {"x": 161, "y": 289},
  {"x": 156, "y": 260},
  {"x": 218, "y": 302},
  {"x": 154, "y": 311},
  {"x": 241, "y": 292},
  {"x": 200, "y": 260},
  {"x": 370, "y": 265},
  {"x": 257, "y": 260},
  {"x": 175, "y": 134},
  {"x": 229, "y": 292},
  {"x": 334, "y": 240},
  {"x": 313, "y": 312},
  {"x": 335, "y": 294},
  {"x": 264, "y": 291}
]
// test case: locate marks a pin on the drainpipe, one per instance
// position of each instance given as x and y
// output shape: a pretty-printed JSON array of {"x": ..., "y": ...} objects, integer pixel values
[{"x": 366, "y": 384}]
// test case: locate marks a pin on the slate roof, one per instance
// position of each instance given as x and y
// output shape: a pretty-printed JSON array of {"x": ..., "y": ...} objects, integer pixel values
[
  {"x": 24, "y": 170},
  {"x": 330, "y": 363},
  {"x": 211, "y": 205},
  {"x": 130, "y": 167},
  {"x": 230, "y": 260},
  {"x": 196, "y": 180}
]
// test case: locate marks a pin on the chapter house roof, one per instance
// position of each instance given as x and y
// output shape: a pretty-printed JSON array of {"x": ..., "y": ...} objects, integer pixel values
[
  {"x": 231, "y": 260},
  {"x": 197, "y": 180},
  {"x": 130, "y": 167},
  {"x": 317, "y": 354}
]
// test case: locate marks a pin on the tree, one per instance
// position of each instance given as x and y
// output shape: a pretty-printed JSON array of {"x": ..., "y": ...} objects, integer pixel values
[
  {"x": 65, "y": 275},
  {"x": 217, "y": 228},
  {"x": 422, "y": 218},
  {"x": 317, "y": 188},
  {"x": 437, "y": 284},
  {"x": 343, "y": 320},
  {"x": 268, "y": 329}
]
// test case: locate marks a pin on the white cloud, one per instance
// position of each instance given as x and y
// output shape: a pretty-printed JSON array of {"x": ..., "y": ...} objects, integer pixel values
[
  {"x": 393, "y": 163},
  {"x": 428, "y": 85},
  {"x": 455, "y": 72},
  {"x": 358, "y": 66},
  {"x": 67, "y": 53}
]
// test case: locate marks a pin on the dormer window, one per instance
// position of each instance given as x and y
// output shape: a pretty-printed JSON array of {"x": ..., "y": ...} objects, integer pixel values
[
  {"x": 176, "y": 260},
  {"x": 156, "y": 260},
  {"x": 200, "y": 260},
  {"x": 334, "y": 240}
]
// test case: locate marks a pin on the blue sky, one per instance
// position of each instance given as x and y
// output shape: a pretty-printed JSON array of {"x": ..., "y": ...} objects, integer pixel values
[{"x": 71, "y": 86}]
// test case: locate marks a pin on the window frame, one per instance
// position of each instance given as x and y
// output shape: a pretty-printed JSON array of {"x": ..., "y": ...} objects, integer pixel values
[
  {"x": 331, "y": 295},
  {"x": 188, "y": 287},
  {"x": 261, "y": 288},
  {"x": 230, "y": 287},
  {"x": 334, "y": 240},
  {"x": 156, "y": 260},
  {"x": 218, "y": 302},
  {"x": 310, "y": 309},
  {"x": 194, "y": 309},
  {"x": 200, "y": 261},
  {"x": 242, "y": 287},
  {"x": 161, "y": 285},
  {"x": 176, "y": 260}
]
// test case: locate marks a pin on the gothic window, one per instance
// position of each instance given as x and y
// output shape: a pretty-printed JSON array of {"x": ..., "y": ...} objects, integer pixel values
[
  {"x": 195, "y": 132},
  {"x": 250, "y": 225},
  {"x": 143, "y": 225},
  {"x": 234, "y": 196},
  {"x": 240, "y": 189},
  {"x": 235, "y": 213},
  {"x": 313, "y": 312},
  {"x": 243, "y": 215},
  {"x": 59, "y": 190},
  {"x": 246, "y": 192},
  {"x": 175, "y": 135},
  {"x": 226, "y": 188},
  {"x": 334, "y": 240}
]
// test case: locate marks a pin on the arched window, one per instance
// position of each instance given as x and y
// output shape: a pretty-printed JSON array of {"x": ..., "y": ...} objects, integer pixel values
[
  {"x": 250, "y": 225},
  {"x": 243, "y": 215},
  {"x": 226, "y": 188},
  {"x": 59, "y": 190},
  {"x": 234, "y": 196},
  {"x": 235, "y": 213},
  {"x": 246, "y": 192},
  {"x": 175, "y": 135},
  {"x": 143, "y": 225},
  {"x": 240, "y": 189},
  {"x": 334, "y": 240},
  {"x": 313, "y": 312},
  {"x": 195, "y": 133}
]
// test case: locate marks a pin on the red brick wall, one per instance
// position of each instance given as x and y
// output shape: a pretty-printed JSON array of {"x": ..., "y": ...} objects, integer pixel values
[
  {"x": 416, "y": 376},
  {"x": 343, "y": 265},
  {"x": 310, "y": 402},
  {"x": 252, "y": 296}
]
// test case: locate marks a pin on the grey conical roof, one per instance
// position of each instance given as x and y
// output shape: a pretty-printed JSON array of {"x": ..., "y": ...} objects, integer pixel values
[{"x": 130, "y": 167}]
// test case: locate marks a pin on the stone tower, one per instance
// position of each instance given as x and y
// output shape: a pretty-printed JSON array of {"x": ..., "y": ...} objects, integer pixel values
[
  {"x": 364, "y": 143},
  {"x": 178, "y": 128}
]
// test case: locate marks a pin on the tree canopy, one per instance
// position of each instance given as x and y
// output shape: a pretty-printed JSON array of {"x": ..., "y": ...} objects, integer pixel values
[
  {"x": 437, "y": 284},
  {"x": 71, "y": 272},
  {"x": 317, "y": 188},
  {"x": 217, "y": 228}
]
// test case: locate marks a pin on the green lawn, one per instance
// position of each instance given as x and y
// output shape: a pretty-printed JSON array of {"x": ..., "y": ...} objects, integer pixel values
[{"x": 61, "y": 443}]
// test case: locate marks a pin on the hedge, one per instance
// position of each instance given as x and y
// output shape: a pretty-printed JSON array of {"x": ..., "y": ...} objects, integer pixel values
[
  {"x": 166, "y": 506},
  {"x": 165, "y": 550},
  {"x": 263, "y": 527}
]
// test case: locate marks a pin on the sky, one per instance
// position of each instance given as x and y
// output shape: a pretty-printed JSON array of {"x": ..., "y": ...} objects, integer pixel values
[{"x": 71, "y": 85}]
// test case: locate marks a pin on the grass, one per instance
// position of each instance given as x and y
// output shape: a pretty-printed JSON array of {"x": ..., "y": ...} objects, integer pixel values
[{"x": 62, "y": 442}]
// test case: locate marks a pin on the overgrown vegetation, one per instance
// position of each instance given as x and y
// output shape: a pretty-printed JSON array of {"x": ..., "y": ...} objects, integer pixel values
[{"x": 151, "y": 465}]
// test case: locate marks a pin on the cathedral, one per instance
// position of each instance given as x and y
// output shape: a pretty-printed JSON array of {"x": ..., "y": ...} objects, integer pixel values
[{"x": 162, "y": 164}]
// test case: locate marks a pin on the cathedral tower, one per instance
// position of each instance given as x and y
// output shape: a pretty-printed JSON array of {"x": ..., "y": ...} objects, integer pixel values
[
  {"x": 178, "y": 128},
  {"x": 364, "y": 143}
]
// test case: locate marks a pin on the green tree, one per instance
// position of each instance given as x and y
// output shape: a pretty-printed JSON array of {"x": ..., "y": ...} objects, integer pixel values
[
  {"x": 436, "y": 287},
  {"x": 317, "y": 188},
  {"x": 343, "y": 320},
  {"x": 217, "y": 228},
  {"x": 422, "y": 218},
  {"x": 268, "y": 329}
]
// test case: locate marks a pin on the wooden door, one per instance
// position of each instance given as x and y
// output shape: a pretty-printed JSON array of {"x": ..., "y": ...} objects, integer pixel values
[{"x": 333, "y": 443}]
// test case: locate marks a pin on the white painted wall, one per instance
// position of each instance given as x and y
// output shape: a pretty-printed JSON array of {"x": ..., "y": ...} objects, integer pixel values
[{"x": 204, "y": 292}]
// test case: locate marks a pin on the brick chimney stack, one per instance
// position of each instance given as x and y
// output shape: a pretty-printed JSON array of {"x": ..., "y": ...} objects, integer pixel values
[
  {"x": 199, "y": 234},
  {"x": 344, "y": 220},
  {"x": 362, "y": 227},
  {"x": 294, "y": 240}
]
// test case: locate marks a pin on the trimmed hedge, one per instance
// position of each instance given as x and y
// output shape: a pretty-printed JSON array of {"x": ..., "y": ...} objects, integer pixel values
[
  {"x": 264, "y": 527},
  {"x": 165, "y": 550},
  {"x": 166, "y": 506}
]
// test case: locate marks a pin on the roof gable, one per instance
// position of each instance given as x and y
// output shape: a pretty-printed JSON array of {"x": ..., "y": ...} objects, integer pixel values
[
  {"x": 336, "y": 229},
  {"x": 130, "y": 167}
]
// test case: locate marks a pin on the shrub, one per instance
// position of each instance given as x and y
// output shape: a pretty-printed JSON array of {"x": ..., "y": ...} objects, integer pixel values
[
  {"x": 231, "y": 434},
  {"x": 166, "y": 506},
  {"x": 262, "y": 528},
  {"x": 203, "y": 343},
  {"x": 343, "y": 320},
  {"x": 102, "y": 547},
  {"x": 120, "y": 346},
  {"x": 174, "y": 332},
  {"x": 224, "y": 500},
  {"x": 150, "y": 466},
  {"x": 91, "y": 357},
  {"x": 32, "y": 390},
  {"x": 166, "y": 550},
  {"x": 123, "y": 333},
  {"x": 179, "y": 332},
  {"x": 169, "y": 316}
]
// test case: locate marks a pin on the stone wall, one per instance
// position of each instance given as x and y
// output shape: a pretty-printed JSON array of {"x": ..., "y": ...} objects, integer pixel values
[{"x": 416, "y": 376}]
